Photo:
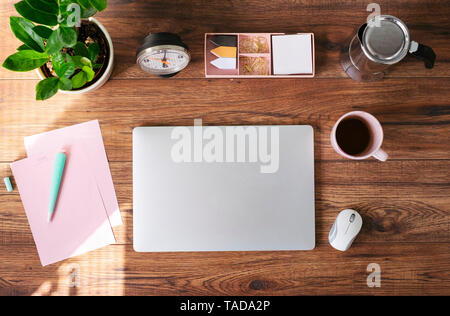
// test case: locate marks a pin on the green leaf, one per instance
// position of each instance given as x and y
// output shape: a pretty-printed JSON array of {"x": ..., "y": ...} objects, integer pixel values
[
  {"x": 80, "y": 61},
  {"x": 44, "y": 6},
  {"x": 87, "y": 13},
  {"x": 23, "y": 47},
  {"x": 93, "y": 50},
  {"x": 29, "y": 13},
  {"x": 23, "y": 30},
  {"x": 90, "y": 74},
  {"x": 54, "y": 43},
  {"x": 70, "y": 13},
  {"x": 84, "y": 3},
  {"x": 47, "y": 88},
  {"x": 62, "y": 68},
  {"x": 99, "y": 5},
  {"x": 60, "y": 38},
  {"x": 79, "y": 80},
  {"x": 81, "y": 50},
  {"x": 65, "y": 84},
  {"x": 68, "y": 58},
  {"x": 25, "y": 60},
  {"x": 68, "y": 36},
  {"x": 97, "y": 66},
  {"x": 63, "y": 65},
  {"x": 58, "y": 60},
  {"x": 43, "y": 31},
  {"x": 66, "y": 70},
  {"x": 86, "y": 8}
]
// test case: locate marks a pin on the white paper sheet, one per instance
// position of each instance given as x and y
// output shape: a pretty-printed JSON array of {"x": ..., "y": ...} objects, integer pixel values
[{"x": 292, "y": 54}]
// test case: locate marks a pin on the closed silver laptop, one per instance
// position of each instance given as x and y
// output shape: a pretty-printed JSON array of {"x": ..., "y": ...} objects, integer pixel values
[{"x": 223, "y": 188}]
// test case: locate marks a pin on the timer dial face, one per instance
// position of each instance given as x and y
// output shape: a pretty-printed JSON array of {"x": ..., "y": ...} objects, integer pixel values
[{"x": 163, "y": 60}]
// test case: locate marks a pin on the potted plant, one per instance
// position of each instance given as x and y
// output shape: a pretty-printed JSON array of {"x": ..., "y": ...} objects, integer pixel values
[{"x": 71, "y": 51}]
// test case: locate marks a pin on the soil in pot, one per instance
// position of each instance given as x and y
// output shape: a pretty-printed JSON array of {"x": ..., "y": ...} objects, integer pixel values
[{"x": 88, "y": 33}]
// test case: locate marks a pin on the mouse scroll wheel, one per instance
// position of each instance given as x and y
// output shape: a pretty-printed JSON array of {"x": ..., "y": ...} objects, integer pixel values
[{"x": 352, "y": 218}]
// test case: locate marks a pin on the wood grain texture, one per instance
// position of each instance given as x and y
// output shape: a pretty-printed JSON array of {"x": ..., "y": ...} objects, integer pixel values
[
  {"x": 405, "y": 111},
  {"x": 405, "y": 202},
  {"x": 424, "y": 270}
]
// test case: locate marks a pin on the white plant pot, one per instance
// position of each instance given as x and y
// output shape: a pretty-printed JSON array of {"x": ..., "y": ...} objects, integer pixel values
[{"x": 109, "y": 69}]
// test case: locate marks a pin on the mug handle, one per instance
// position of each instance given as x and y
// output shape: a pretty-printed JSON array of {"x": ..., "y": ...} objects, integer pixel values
[{"x": 381, "y": 155}]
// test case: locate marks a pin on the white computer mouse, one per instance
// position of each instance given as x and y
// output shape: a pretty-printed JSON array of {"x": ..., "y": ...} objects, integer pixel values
[{"x": 345, "y": 229}]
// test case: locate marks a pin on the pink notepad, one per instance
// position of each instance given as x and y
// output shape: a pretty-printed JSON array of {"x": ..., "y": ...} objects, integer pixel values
[
  {"x": 90, "y": 135},
  {"x": 80, "y": 222}
]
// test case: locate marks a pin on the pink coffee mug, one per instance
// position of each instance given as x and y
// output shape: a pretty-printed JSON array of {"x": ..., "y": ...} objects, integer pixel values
[{"x": 376, "y": 137}]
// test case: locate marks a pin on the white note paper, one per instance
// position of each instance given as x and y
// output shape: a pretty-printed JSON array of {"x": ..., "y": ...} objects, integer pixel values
[{"x": 292, "y": 54}]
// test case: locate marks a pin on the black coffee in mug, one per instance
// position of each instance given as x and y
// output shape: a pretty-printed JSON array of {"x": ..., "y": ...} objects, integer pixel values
[
  {"x": 353, "y": 136},
  {"x": 358, "y": 135}
]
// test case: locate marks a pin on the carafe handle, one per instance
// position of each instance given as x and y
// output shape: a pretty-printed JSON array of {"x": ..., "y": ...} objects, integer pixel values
[{"x": 424, "y": 53}]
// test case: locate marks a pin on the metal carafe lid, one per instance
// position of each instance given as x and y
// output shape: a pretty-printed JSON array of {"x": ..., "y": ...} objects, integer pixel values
[{"x": 388, "y": 42}]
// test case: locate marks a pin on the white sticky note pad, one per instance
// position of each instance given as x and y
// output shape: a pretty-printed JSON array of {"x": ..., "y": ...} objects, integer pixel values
[{"x": 292, "y": 54}]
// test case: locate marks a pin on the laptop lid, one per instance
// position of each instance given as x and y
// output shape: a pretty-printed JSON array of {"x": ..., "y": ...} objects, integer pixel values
[{"x": 223, "y": 188}]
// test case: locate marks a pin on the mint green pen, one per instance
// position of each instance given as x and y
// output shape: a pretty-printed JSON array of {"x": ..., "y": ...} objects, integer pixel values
[{"x": 58, "y": 170}]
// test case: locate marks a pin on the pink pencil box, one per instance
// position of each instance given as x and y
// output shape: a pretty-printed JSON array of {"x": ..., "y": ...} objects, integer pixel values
[{"x": 261, "y": 55}]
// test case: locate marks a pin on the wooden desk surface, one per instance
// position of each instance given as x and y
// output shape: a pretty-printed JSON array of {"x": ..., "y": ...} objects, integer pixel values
[{"x": 405, "y": 202}]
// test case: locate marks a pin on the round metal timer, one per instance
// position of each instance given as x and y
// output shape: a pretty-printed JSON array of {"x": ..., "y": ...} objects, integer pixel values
[{"x": 163, "y": 54}]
